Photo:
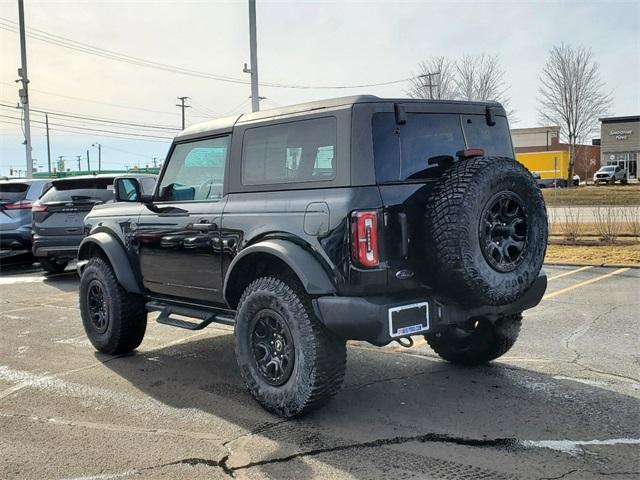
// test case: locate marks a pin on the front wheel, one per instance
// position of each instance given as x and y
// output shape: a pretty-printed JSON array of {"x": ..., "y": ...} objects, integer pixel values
[
  {"x": 479, "y": 342},
  {"x": 113, "y": 319},
  {"x": 290, "y": 362}
]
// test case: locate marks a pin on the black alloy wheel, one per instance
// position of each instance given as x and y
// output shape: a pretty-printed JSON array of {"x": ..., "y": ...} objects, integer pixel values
[
  {"x": 272, "y": 346},
  {"x": 503, "y": 231},
  {"x": 98, "y": 309}
]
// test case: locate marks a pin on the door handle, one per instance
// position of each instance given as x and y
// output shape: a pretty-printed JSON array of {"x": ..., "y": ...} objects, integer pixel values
[{"x": 205, "y": 226}]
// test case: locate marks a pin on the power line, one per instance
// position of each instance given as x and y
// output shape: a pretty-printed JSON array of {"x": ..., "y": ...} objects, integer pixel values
[
  {"x": 98, "y": 102},
  {"x": 97, "y": 133},
  {"x": 58, "y": 40},
  {"x": 96, "y": 119},
  {"x": 91, "y": 129}
]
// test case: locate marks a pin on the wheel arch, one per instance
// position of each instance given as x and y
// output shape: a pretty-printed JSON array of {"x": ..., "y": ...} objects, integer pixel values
[
  {"x": 105, "y": 245},
  {"x": 272, "y": 257}
]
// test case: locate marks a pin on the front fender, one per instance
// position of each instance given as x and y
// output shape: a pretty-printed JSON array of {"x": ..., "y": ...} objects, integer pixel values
[
  {"x": 117, "y": 256},
  {"x": 304, "y": 264}
]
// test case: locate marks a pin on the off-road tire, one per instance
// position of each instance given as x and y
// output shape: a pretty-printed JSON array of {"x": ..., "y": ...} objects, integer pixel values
[
  {"x": 126, "y": 316},
  {"x": 320, "y": 356},
  {"x": 482, "y": 344},
  {"x": 455, "y": 260},
  {"x": 53, "y": 265}
]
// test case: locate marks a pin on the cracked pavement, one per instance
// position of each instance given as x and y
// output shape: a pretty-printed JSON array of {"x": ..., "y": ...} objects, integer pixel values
[{"x": 563, "y": 404}]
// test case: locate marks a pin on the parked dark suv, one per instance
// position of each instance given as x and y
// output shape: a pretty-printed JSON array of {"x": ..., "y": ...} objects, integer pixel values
[
  {"x": 354, "y": 218},
  {"x": 58, "y": 217}
]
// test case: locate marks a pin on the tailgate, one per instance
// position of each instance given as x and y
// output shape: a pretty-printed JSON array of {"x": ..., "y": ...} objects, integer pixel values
[{"x": 61, "y": 218}]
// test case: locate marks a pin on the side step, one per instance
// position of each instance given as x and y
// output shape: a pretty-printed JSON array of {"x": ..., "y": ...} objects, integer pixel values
[{"x": 205, "y": 317}]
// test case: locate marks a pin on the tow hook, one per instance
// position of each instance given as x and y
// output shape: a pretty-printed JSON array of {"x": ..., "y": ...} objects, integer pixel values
[{"x": 406, "y": 342}]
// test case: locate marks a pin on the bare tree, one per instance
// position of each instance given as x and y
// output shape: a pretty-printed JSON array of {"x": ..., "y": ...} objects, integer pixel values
[
  {"x": 481, "y": 78},
  {"x": 572, "y": 95},
  {"x": 442, "y": 71}
]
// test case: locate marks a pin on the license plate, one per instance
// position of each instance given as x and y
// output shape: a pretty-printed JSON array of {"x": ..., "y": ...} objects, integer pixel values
[{"x": 408, "y": 319}]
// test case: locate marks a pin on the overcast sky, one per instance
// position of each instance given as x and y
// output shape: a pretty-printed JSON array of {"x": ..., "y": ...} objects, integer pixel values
[{"x": 302, "y": 43}]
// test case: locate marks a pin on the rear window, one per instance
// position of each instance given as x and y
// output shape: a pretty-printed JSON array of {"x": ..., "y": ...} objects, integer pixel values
[
  {"x": 89, "y": 190},
  {"x": 12, "y": 192},
  {"x": 303, "y": 151},
  {"x": 403, "y": 152}
]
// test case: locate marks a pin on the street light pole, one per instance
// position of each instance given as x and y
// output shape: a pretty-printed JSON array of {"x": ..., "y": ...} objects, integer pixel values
[
  {"x": 253, "y": 54},
  {"x": 24, "y": 91}
]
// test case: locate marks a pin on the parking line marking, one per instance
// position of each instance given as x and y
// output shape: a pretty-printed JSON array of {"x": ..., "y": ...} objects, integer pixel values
[
  {"x": 584, "y": 284},
  {"x": 581, "y": 269}
]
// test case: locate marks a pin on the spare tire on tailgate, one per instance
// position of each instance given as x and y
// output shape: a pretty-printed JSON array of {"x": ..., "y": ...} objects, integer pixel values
[{"x": 485, "y": 231}]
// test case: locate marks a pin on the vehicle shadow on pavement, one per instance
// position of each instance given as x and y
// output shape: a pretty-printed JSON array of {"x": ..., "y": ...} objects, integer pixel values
[
  {"x": 389, "y": 399},
  {"x": 66, "y": 282}
]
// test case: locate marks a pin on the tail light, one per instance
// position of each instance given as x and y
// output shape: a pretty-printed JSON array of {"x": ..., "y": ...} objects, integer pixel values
[
  {"x": 21, "y": 205},
  {"x": 38, "y": 207},
  {"x": 364, "y": 238}
]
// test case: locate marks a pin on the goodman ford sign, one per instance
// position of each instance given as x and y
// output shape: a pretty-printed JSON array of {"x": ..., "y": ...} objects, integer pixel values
[{"x": 620, "y": 134}]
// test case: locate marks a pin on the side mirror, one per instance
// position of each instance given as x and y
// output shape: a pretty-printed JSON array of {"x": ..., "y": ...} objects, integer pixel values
[{"x": 127, "y": 189}]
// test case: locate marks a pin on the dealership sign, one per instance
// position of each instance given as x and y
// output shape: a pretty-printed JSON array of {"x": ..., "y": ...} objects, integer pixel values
[{"x": 620, "y": 134}]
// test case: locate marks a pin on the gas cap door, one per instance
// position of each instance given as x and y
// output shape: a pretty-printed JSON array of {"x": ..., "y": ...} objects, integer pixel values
[{"x": 316, "y": 219}]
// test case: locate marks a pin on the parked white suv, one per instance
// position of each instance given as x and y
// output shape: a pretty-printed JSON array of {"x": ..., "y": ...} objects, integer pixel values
[{"x": 610, "y": 174}]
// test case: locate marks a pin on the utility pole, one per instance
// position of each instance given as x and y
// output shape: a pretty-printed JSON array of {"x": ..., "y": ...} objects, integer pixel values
[
  {"x": 99, "y": 155},
  {"x": 253, "y": 56},
  {"x": 46, "y": 120},
  {"x": 182, "y": 106},
  {"x": 88, "y": 162},
  {"x": 24, "y": 91},
  {"x": 79, "y": 164},
  {"x": 155, "y": 162},
  {"x": 431, "y": 84}
]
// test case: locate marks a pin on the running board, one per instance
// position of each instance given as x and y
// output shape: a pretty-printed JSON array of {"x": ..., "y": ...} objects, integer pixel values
[{"x": 202, "y": 317}]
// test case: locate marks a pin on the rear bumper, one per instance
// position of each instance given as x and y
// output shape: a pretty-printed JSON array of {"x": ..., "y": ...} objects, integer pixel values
[
  {"x": 59, "y": 247},
  {"x": 18, "y": 239},
  {"x": 368, "y": 318}
]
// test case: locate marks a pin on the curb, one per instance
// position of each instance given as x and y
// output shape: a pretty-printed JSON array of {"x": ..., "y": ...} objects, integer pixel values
[{"x": 587, "y": 264}]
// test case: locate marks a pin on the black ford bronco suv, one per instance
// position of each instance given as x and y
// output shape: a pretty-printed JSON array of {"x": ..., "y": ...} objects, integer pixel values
[{"x": 355, "y": 218}]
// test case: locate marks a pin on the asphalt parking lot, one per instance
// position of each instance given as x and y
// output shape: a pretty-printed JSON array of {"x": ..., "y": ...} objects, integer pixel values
[{"x": 562, "y": 404}]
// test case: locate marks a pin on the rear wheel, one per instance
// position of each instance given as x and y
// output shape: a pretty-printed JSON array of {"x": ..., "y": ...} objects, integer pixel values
[
  {"x": 113, "y": 319},
  {"x": 53, "y": 265},
  {"x": 290, "y": 362},
  {"x": 478, "y": 342}
]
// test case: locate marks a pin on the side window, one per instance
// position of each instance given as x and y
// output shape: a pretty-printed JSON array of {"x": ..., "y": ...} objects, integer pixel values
[
  {"x": 195, "y": 171},
  {"x": 302, "y": 151}
]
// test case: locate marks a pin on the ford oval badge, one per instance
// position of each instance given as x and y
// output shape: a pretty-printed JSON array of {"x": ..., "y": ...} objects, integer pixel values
[{"x": 404, "y": 274}]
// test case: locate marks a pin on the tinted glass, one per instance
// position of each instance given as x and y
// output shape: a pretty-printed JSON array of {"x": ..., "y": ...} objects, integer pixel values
[
  {"x": 303, "y": 151},
  {"x": 494, "y": 140},
  {"x": 13, "y": 192},
  {"x": 414, "y": 151},
  {"x": 147, "y": 184},
  {"x": 84, "y": 190},
  {"x": 195, "y": 171}
]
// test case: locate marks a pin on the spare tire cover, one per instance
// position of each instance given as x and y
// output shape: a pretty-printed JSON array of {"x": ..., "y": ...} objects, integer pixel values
[{"x": 485, "y": 231}]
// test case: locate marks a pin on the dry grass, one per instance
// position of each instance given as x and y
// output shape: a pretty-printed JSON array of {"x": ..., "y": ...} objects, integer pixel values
[
  {"x": 616, "y": 254},
  {"x": 602, "y": 195}
]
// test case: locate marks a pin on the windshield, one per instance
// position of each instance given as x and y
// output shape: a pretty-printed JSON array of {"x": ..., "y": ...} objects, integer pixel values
[
  {"x": 418, "y": 149},
  {"x": 609, "y": 168},
  {"x": 77, "y": 191}
]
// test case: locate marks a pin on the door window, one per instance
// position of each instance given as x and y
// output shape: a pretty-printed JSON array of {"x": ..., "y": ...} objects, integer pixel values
[{"x": 195, "y": 171}]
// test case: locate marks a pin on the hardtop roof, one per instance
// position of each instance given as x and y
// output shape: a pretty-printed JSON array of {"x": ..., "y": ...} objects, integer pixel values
[{"x": 227, "y": 123}]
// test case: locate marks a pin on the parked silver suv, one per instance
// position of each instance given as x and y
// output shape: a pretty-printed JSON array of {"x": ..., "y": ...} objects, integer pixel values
[{"x": 610, "y": 174}]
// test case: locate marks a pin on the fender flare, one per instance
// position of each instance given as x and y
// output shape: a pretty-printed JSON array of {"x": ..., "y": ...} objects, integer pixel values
[
  {"x": 117, "y": 256},
  {"x": 304, "y": 264}
]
